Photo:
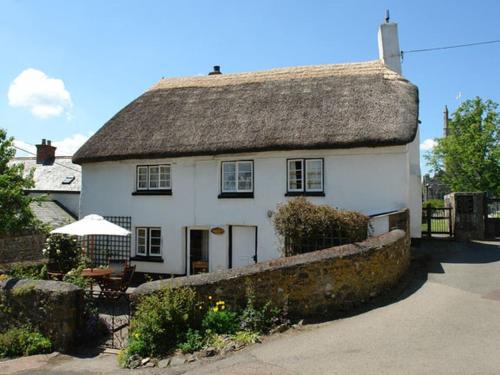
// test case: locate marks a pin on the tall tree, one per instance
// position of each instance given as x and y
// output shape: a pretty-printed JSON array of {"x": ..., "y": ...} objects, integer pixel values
[
  {"x": 468, "y": 159},
  {"x": 15, "y": 212}
]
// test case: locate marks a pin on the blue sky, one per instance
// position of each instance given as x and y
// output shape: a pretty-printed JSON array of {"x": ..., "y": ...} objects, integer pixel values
[{"x": 74, "y": 64}]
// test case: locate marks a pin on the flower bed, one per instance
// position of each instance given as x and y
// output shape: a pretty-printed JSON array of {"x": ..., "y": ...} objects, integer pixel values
[{"x": 180, "y": 321}]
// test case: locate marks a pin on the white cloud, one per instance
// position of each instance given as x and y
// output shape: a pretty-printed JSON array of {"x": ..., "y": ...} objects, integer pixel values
[
  {"x": 44, "y": 96},
  {"x": 66, "y": 147},
  {"x": 428, "y": 144}
]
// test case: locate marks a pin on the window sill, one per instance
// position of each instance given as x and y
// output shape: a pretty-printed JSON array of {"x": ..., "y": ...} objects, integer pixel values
[
  {"x": 305, "y": 194},
  {"x": 139, "y": 258},
  {"x": 235, "y": 195},
  {"x": 152, "y": 192}
]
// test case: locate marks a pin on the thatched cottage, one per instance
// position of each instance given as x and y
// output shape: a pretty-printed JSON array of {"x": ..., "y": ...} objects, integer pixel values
[{"x": 195, "y": 166}]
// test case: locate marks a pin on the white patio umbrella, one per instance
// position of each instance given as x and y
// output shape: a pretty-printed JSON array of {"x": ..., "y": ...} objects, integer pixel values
[{"x": 92, "y": 225}]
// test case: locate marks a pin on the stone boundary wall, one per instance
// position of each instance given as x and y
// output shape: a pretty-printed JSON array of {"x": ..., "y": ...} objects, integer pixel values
[
  {"x": 25, "y": 248},
  {"x": 312, "y": 284},
  {"x": 52, "y": 307}
]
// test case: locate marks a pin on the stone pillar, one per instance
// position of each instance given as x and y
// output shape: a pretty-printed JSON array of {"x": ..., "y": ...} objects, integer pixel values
[{"x": 467, "y": 215}]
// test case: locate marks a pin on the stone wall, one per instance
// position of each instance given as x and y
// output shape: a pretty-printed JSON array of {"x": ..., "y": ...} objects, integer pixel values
[
  {"x": 27, "y": 248},
  {"x": 52, "y": 307},
  {"x": 312, "y": 284},
  {"x": 467, "y": 215}
]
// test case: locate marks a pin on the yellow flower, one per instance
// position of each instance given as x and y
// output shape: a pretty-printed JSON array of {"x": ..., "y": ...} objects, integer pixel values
[
  {"x": 209, "y": 297},
  {"x": 136, "y": 335},
  {"x": 215, "y": 309}
]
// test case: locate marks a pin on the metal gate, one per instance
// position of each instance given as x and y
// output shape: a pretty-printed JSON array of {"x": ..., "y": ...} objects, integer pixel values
[
  {"x": 114, "y": 313},
  {"x": 437, "y": 221},
  {"x": 492, "y": 217}
]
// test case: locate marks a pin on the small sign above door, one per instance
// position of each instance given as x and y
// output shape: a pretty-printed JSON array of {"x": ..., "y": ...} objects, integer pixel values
[{"x": 217, "y": 230}]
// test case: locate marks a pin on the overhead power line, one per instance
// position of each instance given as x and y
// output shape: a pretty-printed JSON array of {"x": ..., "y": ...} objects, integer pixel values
[
  {"x": 450, "y": 47},
  {"x": 32, "y": 153}
]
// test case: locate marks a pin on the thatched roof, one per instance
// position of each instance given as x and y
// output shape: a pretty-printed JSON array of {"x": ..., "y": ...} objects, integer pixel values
[{"x": 312, "y": 107}]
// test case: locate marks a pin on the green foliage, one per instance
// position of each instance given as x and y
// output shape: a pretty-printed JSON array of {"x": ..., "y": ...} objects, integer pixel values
[
  {"x": 219, "y": 320},
  {"x": 194, "y": 341},
  {"x": 436, "y": 203},
  {"x": 33, "y": 272},
  {"x": 469, "y": 157},
  {"x": 23, "y": 341},
  {"x": 63, "y": 252},
  {"x": 162, "y": 320},
  {"x": 260, "y": 320},
  {"x": 301, "y": 223},
  {"x": 15, "y": 213},
  {"x": 247, "y": 337},
  {"x": 175, "y": 319}
]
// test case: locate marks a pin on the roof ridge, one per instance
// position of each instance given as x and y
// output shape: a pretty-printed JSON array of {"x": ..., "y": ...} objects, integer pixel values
[{"x": 274, "y": 74}]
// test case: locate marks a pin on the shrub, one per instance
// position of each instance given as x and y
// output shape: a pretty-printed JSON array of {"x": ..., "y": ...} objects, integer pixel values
[
  {"x": 436, "y": 203},
  {"x": 220, "y": 320},
  {"x": 23, "y": 341},
  {"x": 162, "y": 320},
  {"x": 307, "y": 227},
  {"x": 247, "y": 337},
  {"x": 63, "y": 252},
  {"x": 34, "y": 272},
  {"x": 194, "y": 341},
  {"x": 263, "y": 319}
]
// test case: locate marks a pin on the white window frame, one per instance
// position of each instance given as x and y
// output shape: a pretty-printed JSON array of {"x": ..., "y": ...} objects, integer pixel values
[
  {"x": 304, "y": 162},
  {"x": 237, "y": 164},
  {"x": 306, "y": 189},
  {"x": 145, "y": 236},
  {"x": 147, "y": 253},
  {"x": 289, "y": 161},
  {"x": 168, "y": 186},
  {"x": 146, "y": 169}
]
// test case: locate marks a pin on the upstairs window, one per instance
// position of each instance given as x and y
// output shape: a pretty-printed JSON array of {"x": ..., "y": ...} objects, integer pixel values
[
  {"x": 305, "y": 176},
  {"x": 154, "y": 177},
  {"x": 237, "y": 179}
]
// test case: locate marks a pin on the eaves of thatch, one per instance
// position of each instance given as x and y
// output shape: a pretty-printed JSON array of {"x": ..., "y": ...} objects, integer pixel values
[{"x": 312, "y": 107}]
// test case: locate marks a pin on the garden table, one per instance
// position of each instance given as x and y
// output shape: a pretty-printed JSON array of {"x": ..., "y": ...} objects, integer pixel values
[{"x": 96, "y": 273}]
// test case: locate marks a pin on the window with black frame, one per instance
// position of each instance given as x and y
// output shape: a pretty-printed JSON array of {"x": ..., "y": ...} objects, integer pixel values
[
  {"x": 305, "y": 177},
  {"x": 153, "y": 180},
  {"x": 237, "y": 179},
  {"x": 148, "y": 241}
]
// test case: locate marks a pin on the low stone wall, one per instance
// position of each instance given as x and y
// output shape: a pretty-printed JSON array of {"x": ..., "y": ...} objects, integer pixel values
[
  {"x": 27, "y": 248},
  {"x": 52, "y": 307},
  {"x": 312, "y": 284}
]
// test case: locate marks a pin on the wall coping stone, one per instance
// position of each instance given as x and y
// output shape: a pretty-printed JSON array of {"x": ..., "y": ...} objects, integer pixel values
[{"x": 42, "y": 285}]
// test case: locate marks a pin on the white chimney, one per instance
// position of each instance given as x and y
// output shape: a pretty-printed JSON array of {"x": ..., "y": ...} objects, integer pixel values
[{"x": 388, "y": 45}]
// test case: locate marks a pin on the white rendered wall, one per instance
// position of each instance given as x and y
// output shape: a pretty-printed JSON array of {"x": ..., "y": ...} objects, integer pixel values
[
  {"x": 415, "y": 188},
  {"x": 372, "y": 181}
]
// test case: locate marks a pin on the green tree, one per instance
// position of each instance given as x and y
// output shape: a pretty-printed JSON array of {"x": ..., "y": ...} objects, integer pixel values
[
  {"x": 15, "y": 212},
  {"x": 468, "y": 159}
]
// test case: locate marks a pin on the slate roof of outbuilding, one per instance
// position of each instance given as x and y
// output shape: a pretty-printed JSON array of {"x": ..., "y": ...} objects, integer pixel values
[
  {"x": 49, "y": 178},
  {"x": 311, "y": 107},
  {"x": 52, "y": 213}
]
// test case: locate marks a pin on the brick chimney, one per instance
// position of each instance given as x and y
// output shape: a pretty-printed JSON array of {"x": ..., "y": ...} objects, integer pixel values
[
  {"x": 45, "y": 153},
  {"x": 216, "y": 71}
]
